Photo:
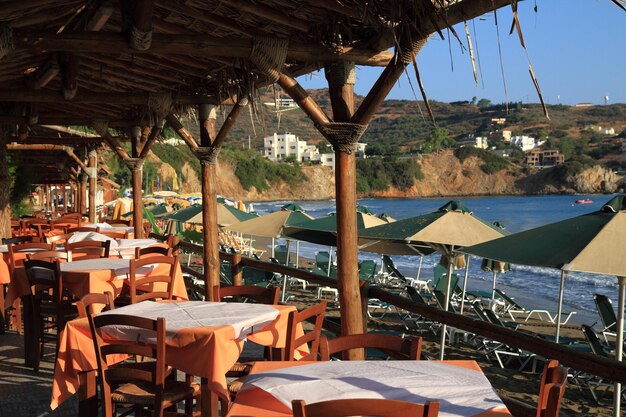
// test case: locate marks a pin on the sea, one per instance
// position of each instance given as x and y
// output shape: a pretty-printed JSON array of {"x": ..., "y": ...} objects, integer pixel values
[{"x": 532, "y": 287}]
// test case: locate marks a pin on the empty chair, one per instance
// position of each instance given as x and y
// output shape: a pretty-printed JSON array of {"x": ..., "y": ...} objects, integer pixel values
[
  {"x": 83, "y": 229},
  {"x": 396, "y": 347},
  {"x": 367, "y": 269},
  {"x": 50, "y": 255},
  {"x": 551, "y": 390},
  {"x": 50, "y": 305},
  {"x": 154, "y": 285},
  {"x": 114, "y": 234},
  {"x": 281, "y": 254},
  {"x": 243, "y": 293},
  {"x": 118, "y": 222},
  {"x": 365, "y": 406},
  {"x": 322, "y": 258},
  {"x": 59, "y": 239},
  {"x": 310, "y": 339},
  {"x": 152, "y": 251},
  {"x": 137, "y": 387},
  {"x": 604, "y": 305},
  {"x": 513, "y": 309},
  {"x": 89, "y": 249},
  {"x": 85, "y": 305}
]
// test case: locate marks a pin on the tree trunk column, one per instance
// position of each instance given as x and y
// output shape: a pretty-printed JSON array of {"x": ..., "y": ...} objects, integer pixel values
[
  {"x": 5, "y": 183},
  {"x": 83, "y": 194},
  {"x": 93, "y": 180},
  {"x": 64, "y": 196},
  {"x": 136, "y": 166},
  {"x": 344, "y": 136}
]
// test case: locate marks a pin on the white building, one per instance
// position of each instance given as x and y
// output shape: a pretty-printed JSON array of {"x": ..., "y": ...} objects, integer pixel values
[
  {"x": 476, "y": 142},
  {"x": 525, "y": 143},
  {"x": 280, "y": 146},
  {"x": 173, "y": 141}
]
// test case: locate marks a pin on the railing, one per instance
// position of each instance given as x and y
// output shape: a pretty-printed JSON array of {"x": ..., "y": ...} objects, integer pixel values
[{"x": 583, "y": 361}]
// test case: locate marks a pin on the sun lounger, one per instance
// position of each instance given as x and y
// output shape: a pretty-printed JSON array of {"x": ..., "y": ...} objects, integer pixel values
[
  {"x": 367, "y": 269},
  {"x": 513, "y": 309},
  {"x": 604, "y": 305}
]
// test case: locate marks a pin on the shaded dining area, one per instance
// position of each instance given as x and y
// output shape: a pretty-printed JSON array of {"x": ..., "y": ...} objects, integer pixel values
[{"x": 100, "y": 309}]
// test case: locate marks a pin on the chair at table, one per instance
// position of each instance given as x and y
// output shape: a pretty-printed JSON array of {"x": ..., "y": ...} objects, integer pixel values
[
  {"x": 89, "y": 249},
  {"x": 552, "y": 388},
  {"x": 50, "y": 305},
  {"x": 365, "y": 406},
  {"x": 83, "y": 229},
  {"x": 255, "y": 293},
  {"x": 50, "y": 256},
  {"x": 142, "y": 287},
  {"x": 114, "y": 234},
  {"x": 86, "y": 303},
  {"x": 16, "y": 240},
  {"x": 152, "y": 251},
  {"x": 137, "y": 388},
  {"x": 396, "y": 347},
  {"x": 310, "y": 339},
  {"x": 118, "y": 222},
  {"x": 16, "y": 227},
  {"x": 59, "y": 239}
]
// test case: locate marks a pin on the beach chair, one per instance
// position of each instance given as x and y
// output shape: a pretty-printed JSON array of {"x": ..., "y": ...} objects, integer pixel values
[
  {"x": 592, "y": 382},
  {"x": 281, "y": 254},
  {"x": 392, "y": 346},
  {"x": 604, "y": 305},
  {"x": 418, "y": 323},
  {"x": 322, "y": 259},
  {"x": 394, "y": 278},
  {"x": 514, "y": 309},
  {"x": 367, "y": 269}
]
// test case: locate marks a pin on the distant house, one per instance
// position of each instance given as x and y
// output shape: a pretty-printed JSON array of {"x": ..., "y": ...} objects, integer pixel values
[
  {"x": 476, "y": 142},
  {"x": 506, "y": 135},
  {"x": 498, "y": 120},
  {"x": 585, "y": 104},
  {"x": 544, "y": 158},
  {"x": 174, "y": 141},
  {"x": 603, "y": 130},
  {"x": 278, "y": 147},
  {"x": 525, "y": 143}
]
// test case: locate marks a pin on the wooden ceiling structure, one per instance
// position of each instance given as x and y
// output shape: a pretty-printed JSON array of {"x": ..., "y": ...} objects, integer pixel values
[{"x": 125, "y": 68}]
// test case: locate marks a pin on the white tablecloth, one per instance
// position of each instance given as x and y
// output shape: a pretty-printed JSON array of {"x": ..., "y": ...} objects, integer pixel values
[
  {"x": 459, "y": 391},
  {"x": 243, "y": 317}
]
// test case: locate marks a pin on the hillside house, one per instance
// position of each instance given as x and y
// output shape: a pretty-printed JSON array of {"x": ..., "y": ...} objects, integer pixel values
[
  {"x": 544, "y": 158},
  {"x": 525, "y": 143}
]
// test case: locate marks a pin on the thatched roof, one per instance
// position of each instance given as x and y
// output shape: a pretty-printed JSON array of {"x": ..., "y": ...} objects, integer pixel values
[{"x": 96, "y": 63}]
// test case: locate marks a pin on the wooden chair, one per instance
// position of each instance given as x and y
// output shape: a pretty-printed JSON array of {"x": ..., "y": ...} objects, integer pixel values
[
  {"x": 16, "y": 240},
  {"x": 89, "y": 249},
  {"x": 119, "y": 222},
  {"x": 51, "y": 307},
  {"x": 173, "y": 242},
  {"x": 365, "y": 406},
  {"x": 83, "y": 229},
  {"x": 141, "y": 288},
  {"x": 241, "y": 293},
  {"x": 551, "y": 391},
  {"x": 396, "y": 347},
  {"x": 311, "y": 339},
  {"x": 16, "y": 227},
  {"x": 137, "y": 387},
  {"x": 50, "y": 256},
  {"x": 147, "y": 228},
  {"x": 59, "y": 239},
  {"x": 152, "y": 251},
  {"x": 114, "y": 234},
  {"x": 85, "y": 304}
]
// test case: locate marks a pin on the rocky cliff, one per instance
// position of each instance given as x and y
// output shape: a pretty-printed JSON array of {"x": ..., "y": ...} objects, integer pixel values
[{"x": 444, "y": 176}]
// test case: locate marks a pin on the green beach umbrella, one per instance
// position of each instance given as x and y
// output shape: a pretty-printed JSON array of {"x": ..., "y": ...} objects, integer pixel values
[
  {"x": 226, "y": 215},
  {"x": 157, "y": 210},
  {"x": 292, "y": 207},
  {"x": 450, "y": 227},
  {"x": 593, "y": 243}
]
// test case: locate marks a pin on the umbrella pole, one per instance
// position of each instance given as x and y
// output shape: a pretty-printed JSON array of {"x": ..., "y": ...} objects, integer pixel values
[
  {"x": 445, "y": 307},
  {"x": 419, "y": 268},
  {"x": 250, "y": 250},
  {"x": 282, "y": 297},
  {"x": 560, "y": 308},
  {"x": 330, "y": 260},
  {"x": 467, "y": 263},
  {"x": 619, "y": 343},
  {"x": 297, "y": 254},
  {"x": 273, "y": 248},
  {"x": 493, "y": 287}
]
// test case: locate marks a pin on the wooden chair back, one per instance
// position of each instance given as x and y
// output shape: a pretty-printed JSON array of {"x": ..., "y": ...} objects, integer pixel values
[
  {"x": 119, "y": 222},
  {"x": 396, "y": 347},
  {"x": 242, "y": 293},
  {"x": 85, "y": 304},
  {"x": 17, "y": 253},
  {"x": 50, "y": 256},
  {"x": 142, "y": 287},
  {"x": 16, "y": 227},
  {"x": 83, "y": 229},
  {"x": 16, "y": 240},
  {"x": 114, "y": 234},
  {"x": 152, "y": 251},
  {"x": 147, "y": 228},
  {"x": 553, "y": 384},
  {"x": 59, "y": 239},
  {"x": 111, "y": 377},
  {"x": 89, "y": 249},
  {"x": 365, "y": 406},
  {"x": 44, "y": 275},
  {"x": 312, "y": 338},
  {"x": 173, "y": 242}
]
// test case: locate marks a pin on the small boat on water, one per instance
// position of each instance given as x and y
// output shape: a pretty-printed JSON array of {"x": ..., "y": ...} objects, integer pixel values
[{"x": 584, "y": 201}]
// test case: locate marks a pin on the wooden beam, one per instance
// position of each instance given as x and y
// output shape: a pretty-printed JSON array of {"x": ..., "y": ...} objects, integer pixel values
[
  {"x": 10, "y": 7},
  {"x": 92, "y": 172},
  {"x": 69, "y": 120},
  {"x": 135, "y": 98},
  {"x": 270, "y": 14},
  {"x": 55, "y": 140},
  {"x": 303, "y": 99},
  {"x": 182, "y": 131},
  {"x": 102, "y": 42},
  {"x": 100, "y": 17},
  {"x": 337, "y": 7},
  {"x": 154, "y": 134},
  {"x": 140, "y": 36},
  {"x": 71, "y": 63}
]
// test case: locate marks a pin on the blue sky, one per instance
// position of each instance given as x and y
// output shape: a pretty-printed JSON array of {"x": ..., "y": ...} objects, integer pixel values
[{"x": 577, "y": 49}]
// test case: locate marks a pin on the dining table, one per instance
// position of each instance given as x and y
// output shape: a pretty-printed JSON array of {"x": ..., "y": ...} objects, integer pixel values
[
  {"x": 459, "y": 386},
  {"x": 202, "y": 339}
]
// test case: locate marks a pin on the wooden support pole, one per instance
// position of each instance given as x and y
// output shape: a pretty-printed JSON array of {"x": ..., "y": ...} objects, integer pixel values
[
  {"x": 64, "y": 195},
  {"x": 236, "y": 269},
  {"x": 152, "y": 137},
  {"x": 140, "y": 36},
  {"x": 83, "y": 193},
  {"x": 181, "y": 131},
  {"x": 303, "y": 99},
  {"x": 341, "y": 86},
  {"x": 136, "y": 174},
  {"x": 92, "y": 173},
  {"x": 70, "y": 76}
]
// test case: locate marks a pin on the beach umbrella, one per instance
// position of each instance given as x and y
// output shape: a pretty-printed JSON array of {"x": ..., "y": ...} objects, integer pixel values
[
  {"x": 449, "y": 228},
  {"x": 157, "y": 211},
  {"x": 593, "y": 243},
  {"x": 226, "y": 215}
]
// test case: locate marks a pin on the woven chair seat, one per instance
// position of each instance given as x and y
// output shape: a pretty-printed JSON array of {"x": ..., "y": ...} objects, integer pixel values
[
  {"x": 235, "y": 386},
  {"x": 142, "y": 393}
]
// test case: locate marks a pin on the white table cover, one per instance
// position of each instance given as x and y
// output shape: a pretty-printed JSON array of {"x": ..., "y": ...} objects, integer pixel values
[
  {"x": 459, "y": 391},
  {"x": 91, "y": 236},
  {"x": 126, "y": 247},
  {"x": 243, "y": 317},
  {"x": 120, "y": 267}
]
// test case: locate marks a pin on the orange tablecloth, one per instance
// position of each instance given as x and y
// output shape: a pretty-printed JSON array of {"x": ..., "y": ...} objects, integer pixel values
[
  {"x": 82, "y": 282},
  {"x": 207, "y": 352},
  {"x": 5, "y": 277},
  {"x": 259, "y": 403}
]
